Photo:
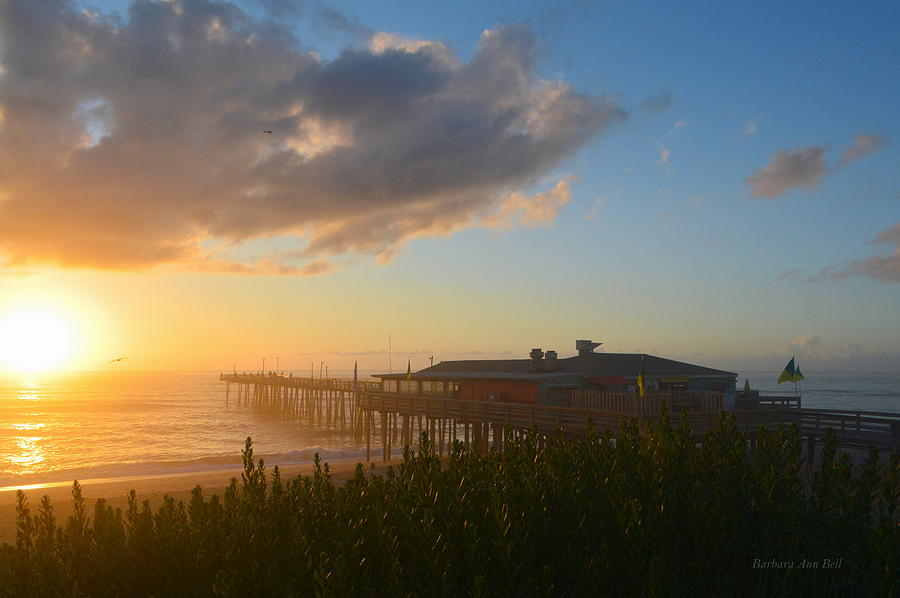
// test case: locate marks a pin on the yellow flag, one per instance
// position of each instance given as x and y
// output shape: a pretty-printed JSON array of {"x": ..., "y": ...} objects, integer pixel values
[{"x": 640, "y": 380}]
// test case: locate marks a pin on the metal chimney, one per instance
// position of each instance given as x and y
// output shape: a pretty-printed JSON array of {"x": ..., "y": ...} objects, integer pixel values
[
  {"x": 536, "y": 356},
  {"x": 550, "y": 355},
  {"x": 586, "y": 347}
]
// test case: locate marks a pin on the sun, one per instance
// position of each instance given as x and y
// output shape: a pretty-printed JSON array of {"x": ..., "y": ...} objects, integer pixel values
[{"x": 34, "y": 340}]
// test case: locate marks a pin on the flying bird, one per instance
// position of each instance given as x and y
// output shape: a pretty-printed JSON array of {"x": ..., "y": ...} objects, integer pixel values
[
  {"x": 268, "y": 131},
  {"x": 117, "y": 359}
]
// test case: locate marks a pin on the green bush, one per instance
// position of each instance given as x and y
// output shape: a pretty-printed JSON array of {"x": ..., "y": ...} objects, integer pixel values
[{"x": 649, "y": 513}]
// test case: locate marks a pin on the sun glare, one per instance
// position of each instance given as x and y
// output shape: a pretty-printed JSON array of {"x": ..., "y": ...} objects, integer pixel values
[{"x": 34, "y": 341}]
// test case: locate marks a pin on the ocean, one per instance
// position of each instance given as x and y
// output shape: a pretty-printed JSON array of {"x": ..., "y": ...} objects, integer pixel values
[
  {"x": 822, "y": 390},
  {"x": 56, "y": 428}
]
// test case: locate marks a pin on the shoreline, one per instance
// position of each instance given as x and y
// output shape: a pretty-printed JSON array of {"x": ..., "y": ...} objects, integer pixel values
[{"x": 153, "y": 488}]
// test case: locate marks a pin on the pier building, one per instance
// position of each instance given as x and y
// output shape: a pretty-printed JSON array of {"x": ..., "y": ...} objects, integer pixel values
[{"x": 546, "y": 379}]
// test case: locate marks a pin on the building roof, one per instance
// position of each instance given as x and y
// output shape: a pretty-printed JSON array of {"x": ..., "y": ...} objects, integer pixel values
[{"x": 626, "y": 365}]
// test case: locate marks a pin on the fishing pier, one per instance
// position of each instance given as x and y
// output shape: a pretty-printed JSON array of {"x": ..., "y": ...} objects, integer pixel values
[{"x": 395, "y": 415}]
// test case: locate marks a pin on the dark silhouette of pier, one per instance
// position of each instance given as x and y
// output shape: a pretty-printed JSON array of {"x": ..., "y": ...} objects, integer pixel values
[{"x": 397, "y": 419}]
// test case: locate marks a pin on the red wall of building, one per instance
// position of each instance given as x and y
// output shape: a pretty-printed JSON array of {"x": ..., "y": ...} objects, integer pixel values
[{"x": 502, "y": 391}]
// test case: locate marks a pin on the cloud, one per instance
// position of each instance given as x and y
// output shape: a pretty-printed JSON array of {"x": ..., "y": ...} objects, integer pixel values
[
  {"x": 752, "y": 128},
  {"x": 811, "y": 351},
  {"x": 319, "y": 13},
  {"x": 884, "y": 268},
  {"x": 848, "y": 357},
  {"x": 657, "y": 103},
  {"x": 805, "y": 167},
  {"x": 863, "y": 145},
  {"x": 137, "y": 142},
  {"x": 275, "y": 265},
  {"x": 664, "y": 154},
  {"x": 382, "y": 42},
  {"x": 889, "y": 237},
  {"x": 595, "y": 209},
  {"x": 675, "y": 127},
  {"x": 789, "y": 274},
  {"x": 529, "y": 210},
  {"x": 804, "y": 346},
  {"x": 802, "y": 168}
]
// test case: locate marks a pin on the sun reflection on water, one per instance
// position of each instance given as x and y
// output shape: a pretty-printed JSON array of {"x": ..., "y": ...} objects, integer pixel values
[
  {"x": 30, "y": 395},
  {"x": 30, "y": 453},
  {"x": 27, "y": 426}
]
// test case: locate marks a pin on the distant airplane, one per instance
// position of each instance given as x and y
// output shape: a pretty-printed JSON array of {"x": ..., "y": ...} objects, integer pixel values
[
  {"x": 269, "y": 131},
  {"x": 117, "y": 359}
]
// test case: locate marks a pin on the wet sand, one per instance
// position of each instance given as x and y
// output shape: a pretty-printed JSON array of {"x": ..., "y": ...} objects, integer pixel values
[{"x": 152, "y": 488}]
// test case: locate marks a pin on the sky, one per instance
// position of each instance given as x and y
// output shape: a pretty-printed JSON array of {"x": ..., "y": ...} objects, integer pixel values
[{"x": 712, "y": 182}]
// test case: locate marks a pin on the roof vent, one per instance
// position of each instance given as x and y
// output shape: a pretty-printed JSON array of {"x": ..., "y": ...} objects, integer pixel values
[
  {"x": 586, "y": 347},
  {"x": 550, "y": 362}
]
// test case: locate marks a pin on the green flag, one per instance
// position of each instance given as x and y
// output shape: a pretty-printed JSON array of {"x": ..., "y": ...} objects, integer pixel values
[
  {"x": 747, "y": 385},
  {"x": 788, "y": 374},
  {"x": 798, "y": 375}
]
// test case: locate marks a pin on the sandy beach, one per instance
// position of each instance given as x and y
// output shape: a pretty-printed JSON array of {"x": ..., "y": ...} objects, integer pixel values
[{"x": 152, "y": 488}]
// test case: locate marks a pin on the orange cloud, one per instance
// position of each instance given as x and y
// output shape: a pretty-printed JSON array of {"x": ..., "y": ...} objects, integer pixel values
[{"x": 129, "y": 144}]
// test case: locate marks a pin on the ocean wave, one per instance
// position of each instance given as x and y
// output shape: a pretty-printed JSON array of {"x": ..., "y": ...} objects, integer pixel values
[{"x": 207, "y": 464}]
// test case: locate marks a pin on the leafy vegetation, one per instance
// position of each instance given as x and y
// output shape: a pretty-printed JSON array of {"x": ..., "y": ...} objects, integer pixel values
[{"x": 649, "y": 514}]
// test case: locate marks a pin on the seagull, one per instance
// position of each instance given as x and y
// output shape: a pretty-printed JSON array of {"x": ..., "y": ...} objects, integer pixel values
[
  {"x": 117, "y": 359},
  {"x": 267, "y": 131}
]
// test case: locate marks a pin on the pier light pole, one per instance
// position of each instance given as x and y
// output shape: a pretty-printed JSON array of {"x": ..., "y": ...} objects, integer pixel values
[
  {"x": 326, "y": 370},
  {"x": 277, "y": 364},
  {"x": 264, "y": 366},
  {"x": 321, "y": 365},
  {"x": 311, "y": 370}
]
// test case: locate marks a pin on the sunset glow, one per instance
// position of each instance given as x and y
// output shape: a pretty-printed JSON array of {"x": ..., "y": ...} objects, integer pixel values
[
  {"x": 210, "y": 185},
  {"x": 35, "y": 341}
]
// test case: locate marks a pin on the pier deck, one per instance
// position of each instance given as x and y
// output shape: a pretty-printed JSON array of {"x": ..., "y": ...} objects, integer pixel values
[{"x": 398, "y": 419}]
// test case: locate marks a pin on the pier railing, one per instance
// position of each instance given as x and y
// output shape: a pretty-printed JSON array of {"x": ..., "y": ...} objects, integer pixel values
[
  {"x": 752, "y": 400},
  {"x": 354, "y": 405},
  {"x": 544, "y": 418},
  {"x": 862, "y": 428},
  {"x": 300, "y": 381},
  {"x": 650, "y": 404}
]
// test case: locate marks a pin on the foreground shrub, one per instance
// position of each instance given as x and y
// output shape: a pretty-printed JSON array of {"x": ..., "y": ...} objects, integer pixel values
[{"x": 651, "y": 513}]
